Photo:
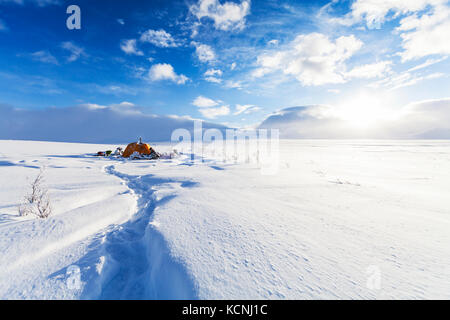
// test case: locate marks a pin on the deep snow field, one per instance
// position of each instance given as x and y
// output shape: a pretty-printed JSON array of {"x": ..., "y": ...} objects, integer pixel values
[{"x": 337, "y": 214}]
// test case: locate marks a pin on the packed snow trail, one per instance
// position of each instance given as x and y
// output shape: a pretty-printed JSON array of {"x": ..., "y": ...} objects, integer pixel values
[{"x": 142, "y": 267}]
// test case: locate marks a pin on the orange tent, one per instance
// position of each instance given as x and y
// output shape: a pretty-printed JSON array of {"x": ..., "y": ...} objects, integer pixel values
[{"x": 141, "y": 148}]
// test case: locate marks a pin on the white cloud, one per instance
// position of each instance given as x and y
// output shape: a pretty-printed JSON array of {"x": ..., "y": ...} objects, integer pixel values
[
  {"x": 245, "y": 109},
  {"x": 208, "y": 107},
  {"x": 118, "y": 90},
  {"x": 313, "y": 59},
  {"x": 213, "y": 72},
  {"x": 130, "y": 47},
  {"x": 425, "y": 35},
  {"x": 203, "y": 102},
  {"x": 427, "y": 63},
  {"x": 424, "y": 27},
  {"x": 233, "y": 84},
  {"x": 212, "y": 113},
  {"x": 123, "y": 106},
  {"x": 212, "y": 75},
  {"x": 75, "y": 51},
  {"x": 40, "y": 3},
  {"x": 44, "y": 56},
  {"x": 412, "y": 80},
  {"x": 164, "y": 71},
  {"x": 226, "y": 16},
  {"x": 159, "y": 38},
  {"x": 93, "y": 106},
  {"x": 404, "y": 79},
  {"x": 204, "y": 52},
  {"x": 213, "y": 79},
  {"x": 368, "y": 71},
  {"x": 375, "y": 12}
]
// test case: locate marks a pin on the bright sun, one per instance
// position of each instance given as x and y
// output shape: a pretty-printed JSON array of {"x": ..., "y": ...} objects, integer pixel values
[{"x": 364, "y": 111}]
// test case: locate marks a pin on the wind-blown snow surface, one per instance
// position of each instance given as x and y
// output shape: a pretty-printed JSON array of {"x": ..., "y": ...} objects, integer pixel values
[{"x": 172, "y": 229}]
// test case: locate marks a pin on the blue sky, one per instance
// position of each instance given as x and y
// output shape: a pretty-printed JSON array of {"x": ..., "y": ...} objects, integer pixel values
[{"x": 230, "y": 62}]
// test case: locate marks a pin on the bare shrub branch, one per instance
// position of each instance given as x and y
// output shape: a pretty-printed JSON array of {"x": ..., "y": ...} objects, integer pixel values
[{"x": 37, "y": 202}]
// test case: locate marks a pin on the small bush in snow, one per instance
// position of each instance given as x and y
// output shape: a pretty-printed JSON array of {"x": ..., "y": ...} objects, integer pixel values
[{"x": 37, "y": 202}]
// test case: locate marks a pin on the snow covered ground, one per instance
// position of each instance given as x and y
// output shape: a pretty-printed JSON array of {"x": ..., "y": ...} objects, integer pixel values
[{"x": 340, "y": 219}]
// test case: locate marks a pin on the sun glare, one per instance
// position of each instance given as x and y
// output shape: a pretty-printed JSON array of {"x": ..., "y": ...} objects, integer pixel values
[{"x": 364, "y": 111}]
